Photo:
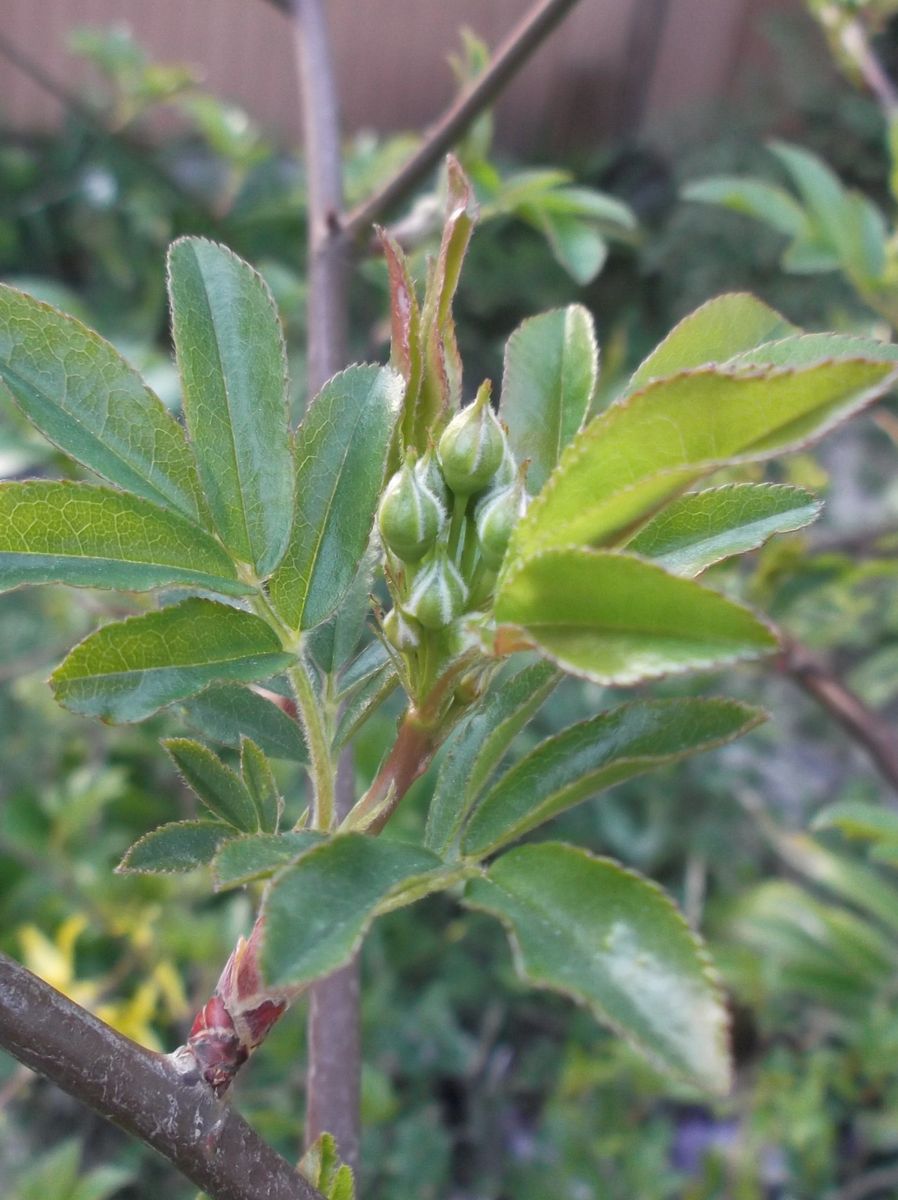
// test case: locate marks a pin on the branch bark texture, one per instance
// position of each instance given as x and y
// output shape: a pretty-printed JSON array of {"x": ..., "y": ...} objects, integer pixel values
[
  {"x": 143, "y": 1093},
  {"x": 863, "y": 725}
]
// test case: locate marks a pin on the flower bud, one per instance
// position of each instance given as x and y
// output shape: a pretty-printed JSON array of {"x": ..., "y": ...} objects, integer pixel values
[
  {"x": 427, "y": 469},
  {"x": 472, "y": 446},
  {"x": 400, "y": 630},
  {"x": 439, "y": 593},
  {"x": 496, "y": 516},
  {"x": 410, "y": 516}
]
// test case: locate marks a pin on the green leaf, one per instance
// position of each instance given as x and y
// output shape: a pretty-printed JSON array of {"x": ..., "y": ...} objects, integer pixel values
[
  {"x": 608, "y": 216},
  {"x": 608, "y": 938},
  {"x": 596, "y": 754},
  {"x": 477, "y": 746},
  {"x": 228, "y": 712},
  {"x": 634, "y": 457},
  {"x": 341, "y": 453},
  {"x": 752, "y": 197},
  {"x": 851, "y": 881},
  {"x": 261, "y": 785},
  {"x": 575, "y": 243},
  {"x": 317, "y": 911},
  {"x": 806, "y": 349},
  {"x": 819, "y": 187},
  {"x": 83, "y": 396},
  {"x": 822, "y": 951},
  {"x": 715, "y": 332},
  {"x": 233, "y": 368},
  {"x": 129, "y": 669},
  {"x": 258, "y": 855},
  {"x": 703, "y": 528},
  {"x": 857, "y": 819},
  {"x": 616, "y": 619},
  {"x": 95, "y": 537},
  {"x": 179, "y": 846},
  {"x": 364, "y": 701},
  {"x": 551, "y": 372},
  {"x": 221, "y": 789}
]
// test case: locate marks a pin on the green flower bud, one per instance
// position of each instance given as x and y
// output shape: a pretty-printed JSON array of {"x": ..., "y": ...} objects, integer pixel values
[
  {"x": 472, "y": 446},
  {"x": 439, "y": 594},
  {"x": 427, "y": 468},
  {"x": 507, "y": 472},
  {"x": 400, "y": 630},
  {"x": 496, "y": 516},
  {"x": 410, "y": 516}
]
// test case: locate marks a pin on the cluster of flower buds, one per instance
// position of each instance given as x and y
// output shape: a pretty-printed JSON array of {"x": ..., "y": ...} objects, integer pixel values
[{"x": 446, "y": 520}]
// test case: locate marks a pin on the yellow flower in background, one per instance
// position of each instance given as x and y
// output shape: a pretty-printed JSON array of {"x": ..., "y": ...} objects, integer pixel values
[{"x": 161, "y": 996}]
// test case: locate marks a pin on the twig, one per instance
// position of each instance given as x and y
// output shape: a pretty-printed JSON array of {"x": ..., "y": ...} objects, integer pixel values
[
  {"x": 863, "y": 725},
  {"x": 510, "y": 56},
  {"x": 142, "y": 1092},
  {"x": 94, "y": 120},
  {"x": 334, "y": 1036}
]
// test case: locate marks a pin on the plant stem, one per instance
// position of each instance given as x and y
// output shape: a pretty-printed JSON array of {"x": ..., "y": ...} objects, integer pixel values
[
  {"x": 142, "y": 1092},
  {"x": 409, "y": 758},
  {"x": 310, "y": 710},
  {"x": 334, "y": 1039},
  {"x": 526, "y": 37}
]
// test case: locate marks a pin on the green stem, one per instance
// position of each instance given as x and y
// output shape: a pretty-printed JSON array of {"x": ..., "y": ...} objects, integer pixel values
[{"x": 311, "y": 714}]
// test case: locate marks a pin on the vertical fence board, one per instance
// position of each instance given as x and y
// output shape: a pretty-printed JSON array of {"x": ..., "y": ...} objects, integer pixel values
[{"x": 392, "y": 59}]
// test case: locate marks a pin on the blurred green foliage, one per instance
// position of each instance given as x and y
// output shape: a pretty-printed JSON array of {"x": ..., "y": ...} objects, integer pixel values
[{"x": 471, "y": 1094}]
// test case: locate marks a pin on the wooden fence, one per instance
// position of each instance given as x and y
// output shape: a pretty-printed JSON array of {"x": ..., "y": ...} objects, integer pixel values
[{"x": 614, "y": 66}]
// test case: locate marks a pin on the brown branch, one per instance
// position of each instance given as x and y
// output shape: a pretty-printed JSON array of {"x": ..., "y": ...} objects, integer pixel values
[
  {"x": 334, "y": 1028},
  {"x": 95, "y": 121},
  {"x": 142, "y": 1092},
  {"x": 862, "y": 724},
  {"x": 510, "y": 56}
]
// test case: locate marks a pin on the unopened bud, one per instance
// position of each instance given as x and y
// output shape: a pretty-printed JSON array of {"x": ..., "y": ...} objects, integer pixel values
[
  {"x": 410, "y": 516},
  {"x": 472, "y": 446},
  {"x": 439, "y": 594},
  {"x": 401, "y": 631},
  {"x": 427, "y": 469},
  {"x": 496, "y": 516}
]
